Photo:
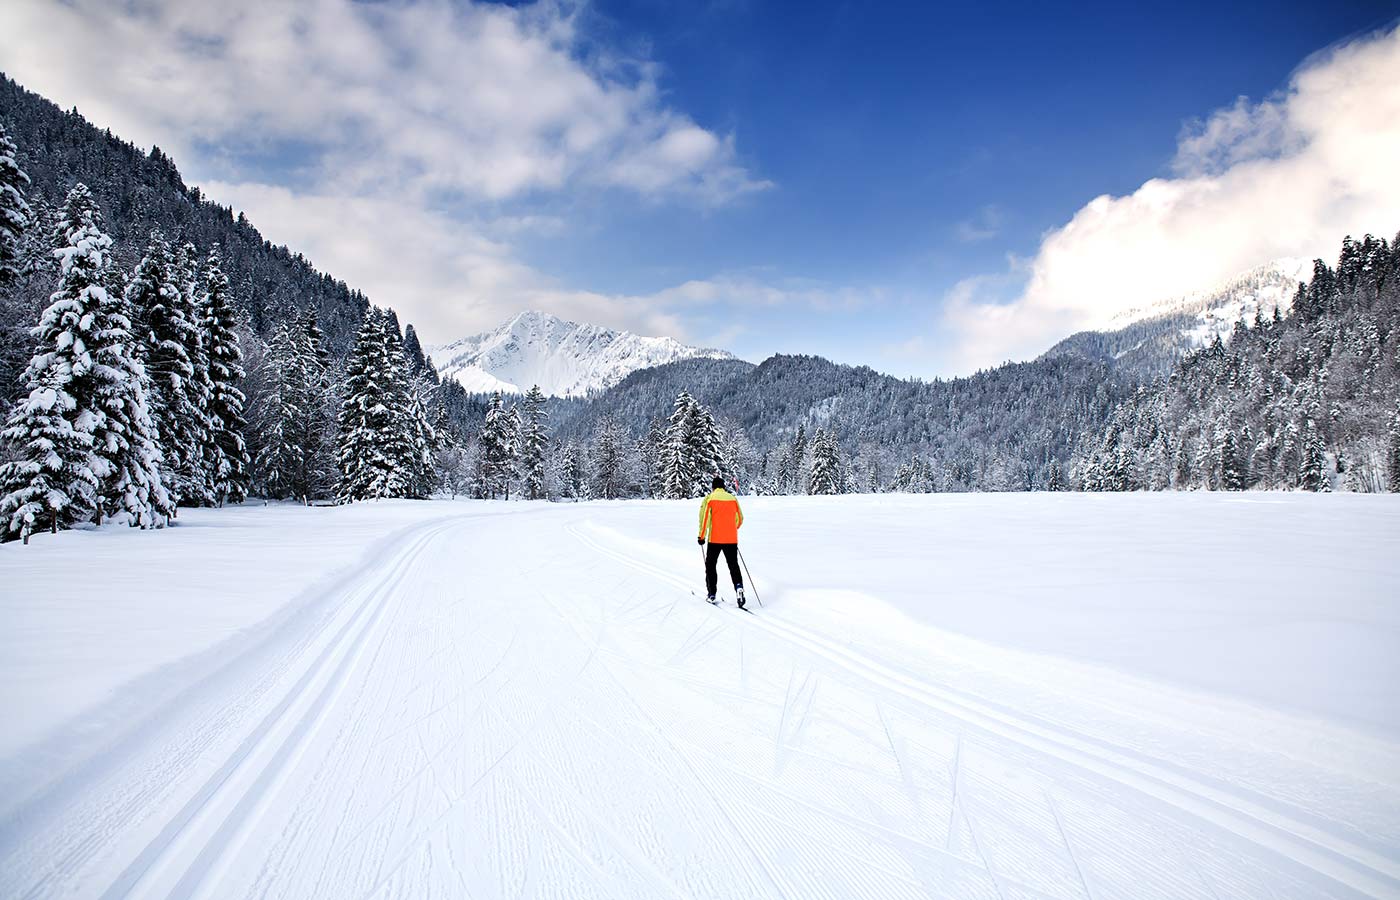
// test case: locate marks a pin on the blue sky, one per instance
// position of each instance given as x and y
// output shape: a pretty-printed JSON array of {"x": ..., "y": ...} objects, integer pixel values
[{"x": 906, "y": 185}]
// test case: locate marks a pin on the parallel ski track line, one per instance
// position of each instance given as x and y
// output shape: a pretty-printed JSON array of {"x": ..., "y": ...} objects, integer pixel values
[
  {"x": 1358, "y": 868},
  {"x": 241, "y": 785}
]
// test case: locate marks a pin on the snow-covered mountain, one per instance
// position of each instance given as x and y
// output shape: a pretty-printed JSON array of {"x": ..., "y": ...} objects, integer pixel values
[
  {"x": 564, "y": 358},
  {"x": 1150, "y": 339}
]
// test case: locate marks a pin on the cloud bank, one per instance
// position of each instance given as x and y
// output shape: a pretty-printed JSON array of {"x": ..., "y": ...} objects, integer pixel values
[
  {"x": 487, "y": 100},
  {"x": 403, "y": 146},
  {"x": 1287, "y": 176}
]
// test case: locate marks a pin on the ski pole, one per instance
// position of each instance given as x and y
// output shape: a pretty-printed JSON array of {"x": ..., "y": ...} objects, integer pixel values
[{"x": 748, "y": 576}]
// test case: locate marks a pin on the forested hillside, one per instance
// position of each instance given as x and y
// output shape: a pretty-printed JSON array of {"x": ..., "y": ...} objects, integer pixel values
[
  {"x": 1309, "y": 400},
  {"x": 1010, "y": 428},
  {"x": 139, "y": 192}
]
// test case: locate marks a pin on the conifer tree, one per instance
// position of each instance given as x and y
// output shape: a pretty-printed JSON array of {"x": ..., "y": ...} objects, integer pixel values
[
  {"x": 52, "y": 483},
  {"x": 799, "y": 459},
  {"x": 609, "y": 463},
  {"x": 225, "y": 452},
  {"x": 534, "y": 440},
  {"x": 15, "y": 214},
  {"x": 127, "y": 455},
  {"x": 571, "y": 473},
  {"x": 680, "y": 468},
  {"x": 708, "y": 450},
  {"x": 825, "y": 477},
  {"x": 201, "y": 466},
  {"x": 279, "y": 415},
  {"x": 424, "y": 442},
  {"x": 371, "y": 451},
  {"x": 315, "y": 424},
  {"x": 157, "y": 294},
  {"x": 498, "y": 447},
  {"x": 1313, "y": 475},
  {"x": 411, "y": 442},
  {"x": 1234, "y": 470}
]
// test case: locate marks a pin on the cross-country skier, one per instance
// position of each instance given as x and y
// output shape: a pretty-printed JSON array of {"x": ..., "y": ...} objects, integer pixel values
[{"x": 720, "y": 518}]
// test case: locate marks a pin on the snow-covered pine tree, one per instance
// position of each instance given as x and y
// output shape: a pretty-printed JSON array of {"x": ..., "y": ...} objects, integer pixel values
[
  {"x": 278, "y": 414},
  {"x": 424, "y": 442},
  {"x": 495, "y": 446},
  {"x": 572, "y": 479},
  {"x": 1313, "y": 475},
  {"x": 371, "y": 451},
  {"x": 15, "y": 214},
  {"x": 412, "y": 443},
  {"x": 225, "y": 453},
  {"x": 17, "y": 228},
  {"x": 201, "y": 466},
  {"x": 51, "y": 482},
  {"x": 708, "y": 451},
  {"x": 1055, "y": 477},
  {"x": 512, "y": 436},
  {"x": 166, "y": 326},
  {"x": 799, "y": 460},
  {"x": 315, "y": 425},
  {"x": 1234, "y": 468},
  {"x": 534, "y": 441},
  {"x": 127, "y": 457},
  {"x": 609, "y": 461},
  {"x": 679, "y": 467},
  {"x": 825, "y": 475}
]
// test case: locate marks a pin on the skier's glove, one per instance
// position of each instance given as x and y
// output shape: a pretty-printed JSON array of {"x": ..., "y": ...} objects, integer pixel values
[{"x": 700, "y": 541}]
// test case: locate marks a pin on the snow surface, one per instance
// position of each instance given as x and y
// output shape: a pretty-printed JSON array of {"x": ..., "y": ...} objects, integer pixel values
[
  {"x": 994, "y": 695},
  {"x": 564, "y": 358}
]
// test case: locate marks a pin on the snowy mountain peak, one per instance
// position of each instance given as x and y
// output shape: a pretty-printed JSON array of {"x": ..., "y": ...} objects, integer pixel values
[
  {"x": 1150, "y": 339},
  {"x": 564, "y": 358},
  {"x": 1266, "y": 286}
]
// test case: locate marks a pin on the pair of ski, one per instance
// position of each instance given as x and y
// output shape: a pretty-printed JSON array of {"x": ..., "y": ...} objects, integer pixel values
[{"x": 717, "y": 602}]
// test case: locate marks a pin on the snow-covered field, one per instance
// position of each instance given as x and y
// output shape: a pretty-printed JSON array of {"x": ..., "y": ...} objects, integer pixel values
[{"x": 1002, "y": 696}]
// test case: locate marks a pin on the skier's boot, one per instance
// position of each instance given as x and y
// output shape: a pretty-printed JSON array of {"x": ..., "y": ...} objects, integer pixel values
[
  {"x": 711, "y": 599},
  {"x": 739, "y": 594}
]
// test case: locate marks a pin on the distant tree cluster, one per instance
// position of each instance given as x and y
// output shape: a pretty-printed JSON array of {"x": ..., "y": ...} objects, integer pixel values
[{"x": 1307, "y": 400}]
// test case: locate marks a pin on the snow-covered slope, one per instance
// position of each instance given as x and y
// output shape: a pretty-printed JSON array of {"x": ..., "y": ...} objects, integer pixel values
[
  {"x": 1259, "y": 288},
  {"x": 1150, "y": 339},
  {"x": 1097, "y": 696},
  {"x": 564, "y": 358}
]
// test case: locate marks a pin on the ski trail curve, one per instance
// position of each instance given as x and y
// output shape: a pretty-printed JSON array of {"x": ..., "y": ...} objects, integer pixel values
[{"x": 1349, "y": 864}]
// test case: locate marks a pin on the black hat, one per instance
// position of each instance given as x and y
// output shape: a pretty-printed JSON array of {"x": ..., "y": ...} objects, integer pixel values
[{"x": 717, "y": 482}]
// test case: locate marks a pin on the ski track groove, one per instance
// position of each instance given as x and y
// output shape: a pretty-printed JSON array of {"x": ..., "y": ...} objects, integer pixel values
[
  {"x": 157, "y": 856},
  {"x": 1329, "y": 854},
  {"x": 1069, "y": 848},
  {"x": 714, "y": 800}
]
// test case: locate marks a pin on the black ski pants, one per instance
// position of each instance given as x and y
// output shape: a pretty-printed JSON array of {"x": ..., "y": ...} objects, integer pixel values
[{"x": 731, "y": 556}]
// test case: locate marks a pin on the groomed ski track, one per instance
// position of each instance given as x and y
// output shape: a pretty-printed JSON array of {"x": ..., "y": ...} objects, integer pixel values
[{"x": 582, "y": 726}]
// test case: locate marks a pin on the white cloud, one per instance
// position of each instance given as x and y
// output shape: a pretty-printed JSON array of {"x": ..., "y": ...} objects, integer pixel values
[
  {"x": 451, "y": 278},
  {"x": 346, "y": 129},
  {"x": 1285, "y": 177},
  {"x": 489, "y": 100}
]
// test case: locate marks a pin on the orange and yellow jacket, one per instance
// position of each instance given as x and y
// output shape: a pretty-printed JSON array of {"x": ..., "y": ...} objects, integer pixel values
[{"x": 721, "y": 517}]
